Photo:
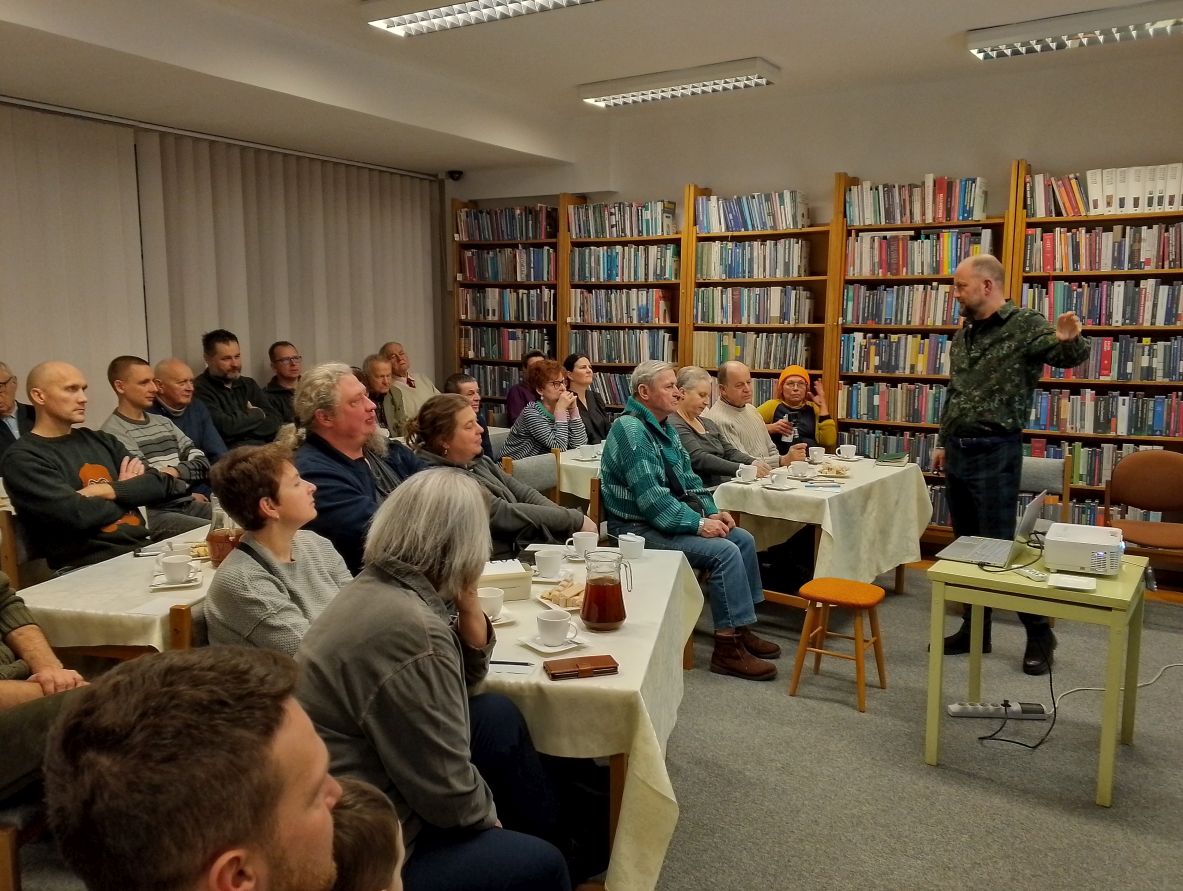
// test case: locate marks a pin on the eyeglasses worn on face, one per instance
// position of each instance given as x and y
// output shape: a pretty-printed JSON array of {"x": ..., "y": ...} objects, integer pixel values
[
  {"x": 289, "y": 360},
  {"x": 556, "y": 383},
  {"x": 4, "y": 385}
]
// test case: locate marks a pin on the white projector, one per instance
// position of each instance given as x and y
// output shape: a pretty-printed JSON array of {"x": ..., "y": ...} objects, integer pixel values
[{"x": 1095, "y": 550}]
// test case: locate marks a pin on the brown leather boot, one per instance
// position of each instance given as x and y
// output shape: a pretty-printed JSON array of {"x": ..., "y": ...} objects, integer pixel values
[
  {"x": 732, "y": 657},
  {"x": 757, "y": 646}
]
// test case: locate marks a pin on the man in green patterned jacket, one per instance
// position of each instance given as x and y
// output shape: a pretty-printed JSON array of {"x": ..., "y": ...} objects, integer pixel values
[{"x": 996, "y": 360}]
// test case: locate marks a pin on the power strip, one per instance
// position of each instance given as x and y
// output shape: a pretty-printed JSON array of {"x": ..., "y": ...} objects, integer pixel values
[{"x": 1015, "y": 711}]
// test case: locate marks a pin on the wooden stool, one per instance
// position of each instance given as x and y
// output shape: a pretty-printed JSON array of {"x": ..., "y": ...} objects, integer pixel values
[{"x": 856, "y": 596}]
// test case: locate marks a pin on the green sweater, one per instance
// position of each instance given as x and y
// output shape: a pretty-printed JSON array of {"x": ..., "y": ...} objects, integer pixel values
[
  {"x": 13, "y": 615},
  {"x": 641, "y": 456}
]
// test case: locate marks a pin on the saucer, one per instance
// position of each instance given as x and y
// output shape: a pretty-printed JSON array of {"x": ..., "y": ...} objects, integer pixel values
[
  {"x": 778, "y": 487},
  {"x": 745, "y": 482},
  {"x": 545, "y": 579},
  {"x": 159, "y": 582},
  {"x": 505, "y": 617},
  {"x": 535, "y": 643},
  {"x": 847, "y": 460},
  {"x": 573, "y": 557},
  {"x": 585, "y": 460},
  {"x": 549, "y": 605}
]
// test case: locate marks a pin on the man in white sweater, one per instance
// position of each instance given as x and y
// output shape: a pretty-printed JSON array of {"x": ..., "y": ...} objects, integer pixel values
[{"x": 739, "y": 420}]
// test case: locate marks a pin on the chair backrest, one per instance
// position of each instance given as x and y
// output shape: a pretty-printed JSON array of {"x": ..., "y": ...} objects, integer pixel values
[
  {"x": 594, "y": 509},
  {"x": 17, "y": 559},
  {"x": 1151, "y": 479},
  {"x": 540, "y": 472},
  {"x": 1052, "y": 474},
  {"x": 497, "y": 438}
]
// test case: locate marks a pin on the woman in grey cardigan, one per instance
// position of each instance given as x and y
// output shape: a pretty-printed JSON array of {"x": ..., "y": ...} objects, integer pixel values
[
  {"x": 447, "y": 434},
  {"x": 280, "y": 577},
  {"x": 712, "y": 454}
]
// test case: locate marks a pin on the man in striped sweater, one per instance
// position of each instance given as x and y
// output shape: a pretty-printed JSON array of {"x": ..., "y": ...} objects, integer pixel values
[
  {"x": 648, "y": 488},
  {"x": 160, "y": 444}
]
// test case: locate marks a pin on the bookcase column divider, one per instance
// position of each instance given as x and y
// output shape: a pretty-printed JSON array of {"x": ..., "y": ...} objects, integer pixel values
[
  {"x": 563, "y": 276},
  {"x": 689, "y": 268},
  {"x": 1016, "y": 227},
  {"x": 835, "y": 283}
]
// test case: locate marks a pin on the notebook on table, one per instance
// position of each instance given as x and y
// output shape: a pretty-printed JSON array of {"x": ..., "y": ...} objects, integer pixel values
[{"x": 997, "y": 552}]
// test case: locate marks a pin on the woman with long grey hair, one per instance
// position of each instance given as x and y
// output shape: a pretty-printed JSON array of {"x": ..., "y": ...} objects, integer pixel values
[{"x": 387, "y": 674}]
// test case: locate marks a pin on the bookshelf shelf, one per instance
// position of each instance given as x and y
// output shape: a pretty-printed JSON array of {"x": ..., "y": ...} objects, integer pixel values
[
  {"x": 905, "y": 227},
  {"x": 899, "y": 278},
  {"x": 1166, "y": 330},
  {"x": 521, "y": 242},
  {"x": 675, "y": 238},
  {"x": 509, "y": 323},
  {"x": 896, "y": 376},
  {"x": 1108, "y": 218},
  {"x": 790, "y": 280},
  {"x": 574, "y": 324},
  {"x": 742, "y": 326},
  {"x": 1125, "y": 385},
  {"x": 760, "y": 234},
  {"x": 481, "y": 360},
  {"x": 1105, "y": 273},
  {"x": 625, "y": 283},
  {"x": 1122, "y": 437},
  {"x": 509, "y": 283},
  {"x": 874, "y": 422},
  {"x": 875, "y": 327}
]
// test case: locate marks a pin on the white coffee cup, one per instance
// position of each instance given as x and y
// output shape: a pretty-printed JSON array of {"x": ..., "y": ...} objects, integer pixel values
[
  {"x": 491, "y": 600},
  {"x": 816, "y": 454},
  {"x": 847, "y": 451},
  {"x": 632, "y": 547},
  {"x": 799, "y": 469},
  {"x": 779, "y": 476},
  {"x": 587, "y": 452},
  {"x": 176, "y": 568},
  {"x": 745, "y": 473},
  {"x": 555, "y": 627},
  {"x": 549, "y": 562},
  {"x": 582, "y": 542}
]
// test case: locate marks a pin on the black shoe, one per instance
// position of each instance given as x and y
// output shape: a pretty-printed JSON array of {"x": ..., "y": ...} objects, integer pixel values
[
  {"x": 1037, "y": 658},
  {"x": 957, "y": 643}
]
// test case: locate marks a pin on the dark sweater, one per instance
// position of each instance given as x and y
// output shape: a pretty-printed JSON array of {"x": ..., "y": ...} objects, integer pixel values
[
  {"x": 196, "y": 423},
  {"x": 43, "y": 476},
  {"x": 227, "y": 402},
  {"x": 595, "y": 417},
  {"x": 281, "y": 400},
  {"x": 24, "y": 423}
]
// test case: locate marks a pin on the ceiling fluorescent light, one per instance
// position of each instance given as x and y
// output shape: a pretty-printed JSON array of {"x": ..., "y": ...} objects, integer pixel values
[
  {"x": 475, "y": 12},
  {"x": 721, "y": 77},
  {"x": 1160, "y": 18}
]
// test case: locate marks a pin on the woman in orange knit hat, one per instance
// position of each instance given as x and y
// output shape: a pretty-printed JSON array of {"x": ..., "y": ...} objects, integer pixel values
[{"x": 799, "y": 415}]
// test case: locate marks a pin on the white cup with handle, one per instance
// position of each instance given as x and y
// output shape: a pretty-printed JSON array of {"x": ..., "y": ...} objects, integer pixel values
[
  {"x": 745, "y": 473},
  {"x": 816, "y": 454},
  {"x": 799, "y": 469},
  {"x": 176, "y": 568},
  {"x": 587, "y": 452},
  {"x": 632, "y": 547},
  {"x": 582, "y": 542},
  {"x": 549, "y": 563},
  {"x": 555, "y": 627},
  {"x": 491, "y": 600},
  {"x": 847, "y": 451}
]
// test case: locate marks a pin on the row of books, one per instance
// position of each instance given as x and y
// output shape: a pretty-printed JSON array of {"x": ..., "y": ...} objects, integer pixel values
[
  {"x": 894, "y": 353},
  {"x": 621, "y": 219},
  {"x": 622, "y": 305},
  {"x": 1064, "y": 249},
  {"x": 759, "y": 212},
  {"x": 906, "y": 253},
  {"x": 507, "y": 223},
  {"x": 939, "y": 199},
  {"x": 1091, "y": 465},
  {"x": 502, "y": 343},
  {"x": 925, "y": 304},
  {"x": 1152, "y": 189},
  {"x": 878, "y": 401},
  {"x": 623, "y": 346},
  {"x": 494, "y": 380},
  {"x": 625, "y": 263},
  {"x": 876, "y": 443},
  {"x": 507, "y": 304},
  {"x": 1120, "y": 414},
  {"x": 941, "y": 516},
  {"x": 612, "y": 388},
  {"x": 783, "y": 258},
  {"x": 753, "y": 306},
  {"x": 524, "y": 264},
  {"x": 1127, "y": 358},
  {"x": 761, "y": 351},
  {"x": 1150, "y": 301}
]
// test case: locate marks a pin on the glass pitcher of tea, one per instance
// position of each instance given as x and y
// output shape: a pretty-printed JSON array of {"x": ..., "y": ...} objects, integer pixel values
[
  {"x": 223, "y": 536},
  {"x": 603, "y": 599}
]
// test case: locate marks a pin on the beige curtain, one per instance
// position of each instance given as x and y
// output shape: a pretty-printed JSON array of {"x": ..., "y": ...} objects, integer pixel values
[
  {"x": 333, "y": 257},
  {"x": 71, "y": 285}
]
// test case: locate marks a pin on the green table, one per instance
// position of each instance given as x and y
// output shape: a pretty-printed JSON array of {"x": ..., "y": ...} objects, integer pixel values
[{"x": 1116, "y": 603}]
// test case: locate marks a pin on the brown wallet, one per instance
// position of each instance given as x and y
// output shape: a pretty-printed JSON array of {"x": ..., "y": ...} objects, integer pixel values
[{"x": 580, "y": 667}]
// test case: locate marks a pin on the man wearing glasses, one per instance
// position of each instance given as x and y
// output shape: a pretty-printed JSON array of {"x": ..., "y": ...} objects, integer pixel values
[
  {"x": 15, "y": 419},
  {"x": 285, "y": 362}
]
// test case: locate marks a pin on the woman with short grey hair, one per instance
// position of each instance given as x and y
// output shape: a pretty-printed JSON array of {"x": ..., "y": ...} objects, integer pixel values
[
  {"x": 712, "y": 455},
  {"x": 387, "y": 676}
]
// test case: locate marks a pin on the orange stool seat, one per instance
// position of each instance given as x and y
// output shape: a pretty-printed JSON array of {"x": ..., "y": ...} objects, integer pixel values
[{"x": 858, "y": 597}]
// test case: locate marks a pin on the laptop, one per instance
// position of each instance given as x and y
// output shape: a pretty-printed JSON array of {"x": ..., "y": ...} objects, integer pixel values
[{"x": 997, "y": 552}]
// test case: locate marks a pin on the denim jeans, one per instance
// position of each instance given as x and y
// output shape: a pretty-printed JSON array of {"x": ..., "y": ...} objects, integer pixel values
[{"x": 733, "y": 588}]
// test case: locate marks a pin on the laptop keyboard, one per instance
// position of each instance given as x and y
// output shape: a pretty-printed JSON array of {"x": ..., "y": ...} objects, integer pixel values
[{"x": 990, "y": 552}]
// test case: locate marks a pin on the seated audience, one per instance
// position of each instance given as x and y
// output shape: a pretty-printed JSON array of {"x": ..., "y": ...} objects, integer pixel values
[
  {"x": 280, "y": 577},
  {"x": 552, "y": 422},
  {"x": 159, "y": 443},
  {"x": 16, "y": 419},
  {"x": 367, "y": 839},
  {"x": 174, "y": 400},
  {"x": 388, "y": 672},
  {"x": 737, "y": 418},
  {"x": 193, "y": 769},
  {"x": 712, "y": 456},
  {"x": 648, "y": 487},
  {"x": 466, "y": 385},
  {"x": 578, "y": 370},
  {"x": 241, "y": 411},
  {"x": 340, "y": 450},
  {"x": 78, "y": 491},
  {"x": 446, "y": 434},
  {"x": 286, "y": 363},
  {"x": 522, "y": 394},
  {"x": 799, "y": 417},
  {"x": 30, "y": 677},
  {"x": 415, "y": 389},
  {"x": 387, "y": 398}
]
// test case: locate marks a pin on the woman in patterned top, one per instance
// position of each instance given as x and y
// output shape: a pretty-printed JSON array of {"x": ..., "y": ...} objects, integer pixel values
[{"x": 553, "y": 422}]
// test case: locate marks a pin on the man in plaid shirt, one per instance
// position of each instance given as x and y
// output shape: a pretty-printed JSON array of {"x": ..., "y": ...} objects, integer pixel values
[{"x": 648, "y": 488}]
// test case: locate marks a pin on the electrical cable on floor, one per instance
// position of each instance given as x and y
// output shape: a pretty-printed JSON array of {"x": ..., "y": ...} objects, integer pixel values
[
  {"x": 1161, "y": 671},
  {"x": 994, "y": 737}
]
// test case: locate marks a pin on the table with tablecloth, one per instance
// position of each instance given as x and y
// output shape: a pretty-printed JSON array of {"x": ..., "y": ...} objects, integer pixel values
[{"x": 576, "y": 474}]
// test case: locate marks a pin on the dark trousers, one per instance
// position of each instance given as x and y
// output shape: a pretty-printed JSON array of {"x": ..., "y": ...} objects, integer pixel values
[
  {"x": 517, "y": 857},
  {"x": 982, "y": 485},
  {"x": 23, "y": 732}
]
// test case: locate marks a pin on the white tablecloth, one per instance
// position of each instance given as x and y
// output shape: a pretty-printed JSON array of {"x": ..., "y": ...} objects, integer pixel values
[
  {"x": 632, "y": 712},
  {"x": 576, "y": 474},
  {"x": 871, "y": 524},
  {"x": 111, "y": 604}
]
